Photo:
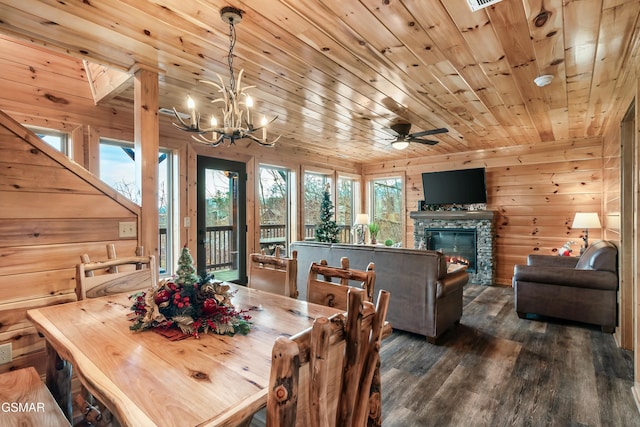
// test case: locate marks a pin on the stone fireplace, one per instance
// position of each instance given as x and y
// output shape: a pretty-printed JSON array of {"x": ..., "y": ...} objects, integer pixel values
[
  {"x": 458, "y": 234},
  {"x": 459, "y": 244}
]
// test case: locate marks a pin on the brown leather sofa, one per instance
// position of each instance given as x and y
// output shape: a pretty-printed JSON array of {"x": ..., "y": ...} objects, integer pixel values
[
  {"x": 581, "y": 289},
  {"x": 425, "y": 299}
]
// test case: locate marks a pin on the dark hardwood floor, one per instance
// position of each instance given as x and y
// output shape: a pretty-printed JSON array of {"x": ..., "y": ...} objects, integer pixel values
[{"x": 495, "y": 369}]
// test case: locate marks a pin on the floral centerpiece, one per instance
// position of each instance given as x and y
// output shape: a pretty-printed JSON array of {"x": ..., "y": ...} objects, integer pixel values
[{"x": 193, "y": 304}]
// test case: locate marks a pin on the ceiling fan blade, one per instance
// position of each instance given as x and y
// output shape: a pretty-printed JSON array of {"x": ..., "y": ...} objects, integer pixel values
[
  {"x": 429, "y": 132},
  {"x": 424, "y": 141}
]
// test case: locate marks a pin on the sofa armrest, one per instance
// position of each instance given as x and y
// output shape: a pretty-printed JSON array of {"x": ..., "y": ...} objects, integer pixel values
[
  {"x": 451, "y": 283},
  {"x": 593, "y": 279},
  {"x": 552, "y": 261}
]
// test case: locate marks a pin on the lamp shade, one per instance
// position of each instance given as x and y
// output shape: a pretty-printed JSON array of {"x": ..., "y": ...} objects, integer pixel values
[
  {"x": 586, "y": 220},
  {"x": 362, "y": 219}
]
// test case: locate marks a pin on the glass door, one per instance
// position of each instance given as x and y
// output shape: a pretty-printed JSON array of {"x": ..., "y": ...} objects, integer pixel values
[{"x": 222, "y": 229}]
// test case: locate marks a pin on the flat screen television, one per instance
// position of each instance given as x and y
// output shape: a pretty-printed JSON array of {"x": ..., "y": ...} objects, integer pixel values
[{"x": 460, "y": 187}]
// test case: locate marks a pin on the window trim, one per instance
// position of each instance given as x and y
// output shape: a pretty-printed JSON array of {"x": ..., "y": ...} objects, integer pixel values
[{"x": 65, "y": 137}]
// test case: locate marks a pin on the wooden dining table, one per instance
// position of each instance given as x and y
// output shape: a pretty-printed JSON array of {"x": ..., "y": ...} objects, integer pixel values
[{"x": 146, "y": 379}]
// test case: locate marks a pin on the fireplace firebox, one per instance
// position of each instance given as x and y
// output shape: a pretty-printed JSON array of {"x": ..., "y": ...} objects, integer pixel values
[
  {"x": 458, "y": 244},
  {"x": 485, "y": 241}
]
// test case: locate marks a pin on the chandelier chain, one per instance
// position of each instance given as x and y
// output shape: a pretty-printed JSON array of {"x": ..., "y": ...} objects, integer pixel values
[{"x": 232, "y": 43}]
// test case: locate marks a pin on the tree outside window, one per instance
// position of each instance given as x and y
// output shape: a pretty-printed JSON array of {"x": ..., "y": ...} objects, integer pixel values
[
  {"x": 314, "y": 184},
  {"x": 386, "y": 202},
  {"x": 346, "y": 207},
  {"x": 273, "y": 199}
]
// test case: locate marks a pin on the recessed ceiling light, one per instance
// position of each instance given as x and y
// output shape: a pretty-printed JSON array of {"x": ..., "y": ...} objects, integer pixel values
[{"x": 543, "y": 80}]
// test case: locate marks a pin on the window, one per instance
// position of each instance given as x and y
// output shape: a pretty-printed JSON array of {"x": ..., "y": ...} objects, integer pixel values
[
  {"x": 347, "y": 206},
  {"x": 117, "y": 168},
  {"x": 58, "y": 140},
  {"x": 386, "y": 207},
  {"x": 274, "y": 198},
  {"x": 314, "y": 185},
  {"x": 166, "y": 166}
]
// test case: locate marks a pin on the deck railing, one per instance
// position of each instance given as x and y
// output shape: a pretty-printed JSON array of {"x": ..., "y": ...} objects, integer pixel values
[{"x": 220, "y": 244}]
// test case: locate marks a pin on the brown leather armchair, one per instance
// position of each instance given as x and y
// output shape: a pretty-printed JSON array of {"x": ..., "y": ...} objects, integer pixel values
[{"x": 581, "y": 289}]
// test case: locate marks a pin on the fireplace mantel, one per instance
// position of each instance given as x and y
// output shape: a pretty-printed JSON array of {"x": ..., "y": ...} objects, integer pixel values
[
  {"x": 478, "y": 215},
  {"x": 481, "y": 221}
]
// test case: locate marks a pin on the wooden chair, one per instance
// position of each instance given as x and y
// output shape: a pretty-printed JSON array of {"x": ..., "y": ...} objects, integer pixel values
[
  {"x": 95, "y": 279},
  {"x": 329, "y": 375},
  {"x": 325, "y": 292},
  {"x": 274, "y": 274},
  {"x": 117, "y": 274}
]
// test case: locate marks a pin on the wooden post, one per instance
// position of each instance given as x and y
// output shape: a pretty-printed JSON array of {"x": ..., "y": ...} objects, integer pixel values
[
  {"x": 319, "y": 373},
  {"x": 59, "y": 381},
  {"x": 147, "y": 140},
  {"x": 282, "y": 404}
]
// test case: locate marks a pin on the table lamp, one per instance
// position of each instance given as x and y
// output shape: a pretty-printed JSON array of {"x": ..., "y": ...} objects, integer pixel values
[
  {"x": 586, "y": 220},
  {"x": 362, "y": 221}
]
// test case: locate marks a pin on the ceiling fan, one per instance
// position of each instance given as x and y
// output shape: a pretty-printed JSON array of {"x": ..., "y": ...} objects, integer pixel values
[{"x": 402, "y": 136}]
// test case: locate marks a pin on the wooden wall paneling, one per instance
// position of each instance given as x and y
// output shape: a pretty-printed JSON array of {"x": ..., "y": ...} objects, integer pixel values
[
  {"x": 23, "y": 341},
  {"x": 53, "y": 210},
  {"x": 25, "y": 259},
  {"x": 29, "y": 178},
  {"x": 38, "y": 284},
  {"x": 38, "y": 231},
  {"x": 536, "y": 190}
]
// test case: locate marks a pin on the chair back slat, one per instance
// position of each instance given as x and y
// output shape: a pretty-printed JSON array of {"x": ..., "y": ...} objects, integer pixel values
[
  {"x": 115, "y": 275},
  {"x": 274, "y": 274},
  {"x": 322, "y": 290},
  {"x": 323, "y": 377}
]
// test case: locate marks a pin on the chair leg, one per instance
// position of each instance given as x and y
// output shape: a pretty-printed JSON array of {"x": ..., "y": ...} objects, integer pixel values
[
  {"x": 608, "y": 329},
  {"x": 432, "y": 340},
  {"x": 522, "y": 315}
]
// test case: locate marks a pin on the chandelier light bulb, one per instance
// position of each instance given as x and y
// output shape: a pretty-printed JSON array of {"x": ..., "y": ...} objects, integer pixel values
[
  {"x": 214, "y": 122},
  {"x": 192, "y": 111}
]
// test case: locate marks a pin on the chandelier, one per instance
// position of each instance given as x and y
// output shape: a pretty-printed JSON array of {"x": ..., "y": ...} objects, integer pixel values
[{"x": 237, "y": 117}]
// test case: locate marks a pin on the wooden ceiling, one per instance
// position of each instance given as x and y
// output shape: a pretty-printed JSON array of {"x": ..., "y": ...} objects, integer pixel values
[{"x": 337, "y": 72}]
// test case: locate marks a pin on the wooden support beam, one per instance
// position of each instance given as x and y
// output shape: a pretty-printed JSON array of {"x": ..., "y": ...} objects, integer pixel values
[{"x": 147, "y": 142}]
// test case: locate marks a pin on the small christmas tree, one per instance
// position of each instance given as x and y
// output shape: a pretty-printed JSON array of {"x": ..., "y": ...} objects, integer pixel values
[
  {"x": 186, "y": 271},
  {"x": 327, "y": 229}
]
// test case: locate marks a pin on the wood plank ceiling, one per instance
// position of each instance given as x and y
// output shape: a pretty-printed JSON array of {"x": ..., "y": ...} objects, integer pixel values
[{"x": 337, "y": 72}]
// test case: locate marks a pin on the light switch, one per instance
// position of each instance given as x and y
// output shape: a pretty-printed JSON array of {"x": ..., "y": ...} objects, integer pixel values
[{"x": 127, "y": 229}]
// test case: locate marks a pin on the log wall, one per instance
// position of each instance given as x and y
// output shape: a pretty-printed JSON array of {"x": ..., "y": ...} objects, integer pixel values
[
  {"x": 536, "y": 190},
  {"x": 52, "y": 212}
]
